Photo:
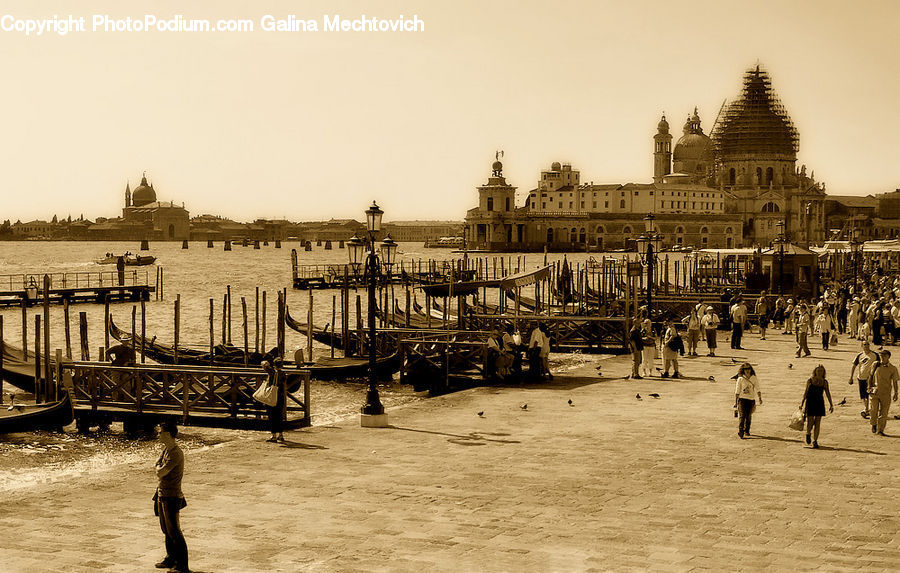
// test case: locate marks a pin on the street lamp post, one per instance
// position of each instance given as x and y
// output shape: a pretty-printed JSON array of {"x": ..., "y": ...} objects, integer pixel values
[
  {"x": 372, "y": 413},
  {"x": 648, "y": 244},
  {"x": 780, "y": 240}
]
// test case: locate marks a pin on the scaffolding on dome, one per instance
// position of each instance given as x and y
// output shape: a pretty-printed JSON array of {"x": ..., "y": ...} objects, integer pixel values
[{"x": 756, "y": 123}]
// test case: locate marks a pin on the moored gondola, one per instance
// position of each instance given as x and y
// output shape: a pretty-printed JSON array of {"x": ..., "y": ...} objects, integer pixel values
[{"x": 26, "y": 418}]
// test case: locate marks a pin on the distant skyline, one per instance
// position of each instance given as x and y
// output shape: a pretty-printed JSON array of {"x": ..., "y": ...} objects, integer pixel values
[{"x": 314, "y": 125}]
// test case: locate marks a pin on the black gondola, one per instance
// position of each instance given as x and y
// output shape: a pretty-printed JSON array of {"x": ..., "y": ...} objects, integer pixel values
[{"x": 26, "y": 418}]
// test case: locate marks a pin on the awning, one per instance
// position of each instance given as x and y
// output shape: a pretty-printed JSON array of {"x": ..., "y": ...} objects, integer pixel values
[{"x": 525, "y": 278}]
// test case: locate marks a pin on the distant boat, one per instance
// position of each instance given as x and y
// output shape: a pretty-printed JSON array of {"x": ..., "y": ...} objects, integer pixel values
[
  {"x": 25, "y": 418},
  {"x": 130, "y": 260},
  {"x": 445, "y": 243}
]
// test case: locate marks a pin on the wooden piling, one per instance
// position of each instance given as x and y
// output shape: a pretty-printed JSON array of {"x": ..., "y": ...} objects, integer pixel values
[
  {"x": 24, "y": 328},
  {"x": 83, "y": 336},
  {"x": 177, "y": 325},
  {"x": 333, "y": 321},
  {"x": 359, "y": 326},
  {"x": 133, "y": 328},
  {"x": 262, "y": 334},
  {"x": 309, "y": 321},
  {"x": 212, "y": 330},
  {"x": 37, "y": 359},
  {"x": 246, "y": 329},
  {"x": 224, "y": 318},
  {"x": 293, "y": 265},
  {"x": 2, "y": 348},
  {"x": 228, "y": 295},
  {"x": 106, "y": 323},
  {"x": 68, "y": 333},
  {"x": 257, "y": 315}
]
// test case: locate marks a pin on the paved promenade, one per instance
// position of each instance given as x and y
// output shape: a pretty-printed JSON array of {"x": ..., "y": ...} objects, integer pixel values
[{"x": 608, "y": 483}]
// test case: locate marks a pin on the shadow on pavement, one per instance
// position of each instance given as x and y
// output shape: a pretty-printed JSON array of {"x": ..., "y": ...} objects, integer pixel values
[
  {"x": 471, "y": 439},
  {"x": 301, "y": 446},
  {"x": 800, "y": 441}
]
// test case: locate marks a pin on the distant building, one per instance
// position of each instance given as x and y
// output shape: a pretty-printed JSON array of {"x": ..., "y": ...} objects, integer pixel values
[
  {"x": 33, "y": 229},
  {"x": 421, "y": 231}
]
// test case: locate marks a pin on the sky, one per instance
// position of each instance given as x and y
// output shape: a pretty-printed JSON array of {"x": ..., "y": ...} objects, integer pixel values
[{"x": 314, "y": 125}]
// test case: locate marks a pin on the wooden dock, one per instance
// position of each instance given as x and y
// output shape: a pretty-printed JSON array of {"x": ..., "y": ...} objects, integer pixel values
[
  {"x": 90, "y": 287},
  {"x": 142, "y": 395}
]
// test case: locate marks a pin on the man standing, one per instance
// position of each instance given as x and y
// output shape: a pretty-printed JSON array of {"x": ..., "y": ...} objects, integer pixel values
[
  {"x": 762, "y": 314},
  {"x": 636, "y": 346},
  {"x": 866, "y": 362},
  {"x": 738, "y": 318},
  {"x": 169, "y": 500},
  {"x": 802, "y": 328},
  {"x": 884, "y": 377}
]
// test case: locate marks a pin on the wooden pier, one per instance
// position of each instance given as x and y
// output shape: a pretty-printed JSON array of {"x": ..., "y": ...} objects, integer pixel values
[
  {"x": 94, "y": 287},
  {"x": 141, "y": 395}
]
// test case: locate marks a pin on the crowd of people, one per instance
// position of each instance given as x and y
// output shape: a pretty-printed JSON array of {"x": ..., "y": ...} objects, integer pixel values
[{"x": 506, "y": 352}]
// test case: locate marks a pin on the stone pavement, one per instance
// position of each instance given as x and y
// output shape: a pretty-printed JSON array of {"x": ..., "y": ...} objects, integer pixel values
[{"x": 607, "y": 483}]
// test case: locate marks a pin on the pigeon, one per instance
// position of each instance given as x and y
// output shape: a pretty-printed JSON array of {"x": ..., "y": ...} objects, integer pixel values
[
  {"x": 524, "y": 406},
  {"x": 638, "y": 396},
  {"x": 570, "y": 402},
  {"x": 481, "y": 413},
  {"x": 628, "y": 377},
  {"x": 843, "y": 402},
  {"x": 712, "y": 378},
  {"x": 791, "y": 365},
  {"x": 654, "y": 395},
  {"x": 733, "y": 361}
]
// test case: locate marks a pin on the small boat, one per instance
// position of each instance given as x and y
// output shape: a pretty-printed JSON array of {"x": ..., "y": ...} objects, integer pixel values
[
  {"x": 130, "y": 260},
  {"x": 319, "y": 334},
  {"x": 26, "y": 418}
]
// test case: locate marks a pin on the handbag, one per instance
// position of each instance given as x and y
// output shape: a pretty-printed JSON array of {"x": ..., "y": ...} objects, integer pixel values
[
  {"x": 267, "y": 394},
  {"x": 797, "y": 420},
  {"x": 834, "y": 338}
]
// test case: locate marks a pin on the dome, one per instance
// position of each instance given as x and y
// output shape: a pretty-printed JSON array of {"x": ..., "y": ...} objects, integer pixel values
[
  {"x": 555, "y": 166},
  {"x": 143, "y": 194},
  {"x": 692, "y": 146},
  {"x": 756, "y": 125},
  {"x": 663, "y": 125}
]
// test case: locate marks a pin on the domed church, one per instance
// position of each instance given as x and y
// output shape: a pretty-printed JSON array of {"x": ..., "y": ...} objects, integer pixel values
[{"x": 160, "y": 220}]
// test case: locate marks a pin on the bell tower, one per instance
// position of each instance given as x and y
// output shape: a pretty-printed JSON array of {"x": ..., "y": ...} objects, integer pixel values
[{"x": 662, "y": 150}]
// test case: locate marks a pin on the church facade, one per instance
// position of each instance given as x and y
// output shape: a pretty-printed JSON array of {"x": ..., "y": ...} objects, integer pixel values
[{"x": 724, "y": 191}]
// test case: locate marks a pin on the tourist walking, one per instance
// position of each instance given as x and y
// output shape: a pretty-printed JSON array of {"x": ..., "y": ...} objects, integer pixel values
[
  {"x": 746, "y": 392},
  {"x": 762, "y": 314},
  {"x": 636, "y": 347},
  {"x": 802, "y": 329},
  {"x": 790, "y": 317},
  {"x": 545, "y": 350},
  {"x": 709, "y": 323},
  {"x": 863, "y": 365},
  {"x": 649, "y": 354},
  {"x": 168, "y": 501},
  {"x": 825, "y": 325},
  {"x": 738, "y": 318},
  {"x": 492, "y": 356},
  {"x": 276, "y": 412},
  {"x": 672, "y": 346},
  {"x": 778, "y": 317},
  {"x": 814, "y": 404},
  {"x": 692, "y": 320},
  {"x": 853, "y": 317},
  {"x": 884, "y": 378},
  {"x": 535, "y": 342}
]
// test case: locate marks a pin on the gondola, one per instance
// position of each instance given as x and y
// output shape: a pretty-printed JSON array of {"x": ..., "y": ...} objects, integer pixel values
[
  {"x": 322, "y": 335},
  {"x": 26, "y": 418},
  {"x": 18, "y": 369},
  {"x": 229, "y": 356}
]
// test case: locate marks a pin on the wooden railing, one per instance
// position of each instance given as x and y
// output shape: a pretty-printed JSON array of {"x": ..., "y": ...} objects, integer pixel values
[
  {"x": 73, "y": 280},
  {"x": 193, "y": 392}
]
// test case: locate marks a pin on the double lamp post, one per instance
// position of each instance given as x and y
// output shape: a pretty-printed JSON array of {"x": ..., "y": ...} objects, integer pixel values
[
  {"x": 648, "y": 245},
  {"x": 372, "y": 413}
]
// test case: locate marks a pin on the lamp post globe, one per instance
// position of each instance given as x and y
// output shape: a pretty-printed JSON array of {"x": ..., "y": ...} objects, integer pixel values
[{"x": 356, "y": 249}]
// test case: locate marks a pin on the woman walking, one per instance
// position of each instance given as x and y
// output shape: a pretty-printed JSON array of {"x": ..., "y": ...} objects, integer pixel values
[
  {"x": 276, "y": 412},
  {"x": 815, "y": 403},
  {"x": 672, "y": 346},
  {"x": 825, "y": 325},
  {"x": 693, "y": 331},
  {"x": 648, "y": 354},
  {"x": 746, "y": 390}
]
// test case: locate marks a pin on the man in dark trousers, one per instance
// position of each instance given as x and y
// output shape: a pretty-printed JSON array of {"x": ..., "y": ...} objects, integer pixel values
[{"x": 169, "y": 499}]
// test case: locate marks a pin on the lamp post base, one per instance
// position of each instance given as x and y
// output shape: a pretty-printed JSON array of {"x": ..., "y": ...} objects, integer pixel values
[{"x": 373, "y": 420}]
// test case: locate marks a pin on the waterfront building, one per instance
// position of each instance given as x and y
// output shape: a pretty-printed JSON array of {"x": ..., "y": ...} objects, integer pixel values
[
  {"x": 727, "y": 190},
  {"x": 144, "y": 217}
]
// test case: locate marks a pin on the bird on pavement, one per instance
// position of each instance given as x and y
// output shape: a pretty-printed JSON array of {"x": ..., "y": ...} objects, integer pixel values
[
  {"x": 733, "y": 361},
  {"x": 791, "y": 365},
  {"x": 654, "y": 395},
  {"x": 712, "y": 378},
  {"x": 638, "y": 396},
  {"x": 570, "y": 402},
  {"x": 628, "y": 377},
  {"x": 481, "y": 413},
  {"x": 843, "y": 402},
  {"x": 524, "y": 406}
]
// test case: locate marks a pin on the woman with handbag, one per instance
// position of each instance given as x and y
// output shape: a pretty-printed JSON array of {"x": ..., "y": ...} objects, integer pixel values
[
  {"x": 276, "y": 411},
  {"x": 815, "y": 403}
]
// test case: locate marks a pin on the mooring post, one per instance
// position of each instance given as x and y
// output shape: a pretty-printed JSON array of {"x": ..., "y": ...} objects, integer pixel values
[
  {"x": 246, "y": 335},
  {"x": 212, "y": 331},
  {"x": 46, "y": 301},
  {"x": 262, "y": 343},
  {"x": 228, "y": 296},
  {"x": 37, "y": 358},
  {"x": 224, "y": 317},
  {"x": 257, "y": 314},
  {"x": 105, "y": 323},
  {"x": 68, "y": 332},
  {"x": 83, "y": 336},
  {"x": 2, "y": 348},
  {"x": 24, "y": 328},
  {"x": 177, "y": 325},
  {"x": 309, "y": 322},
  {"x": 133, "y": 327}
]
